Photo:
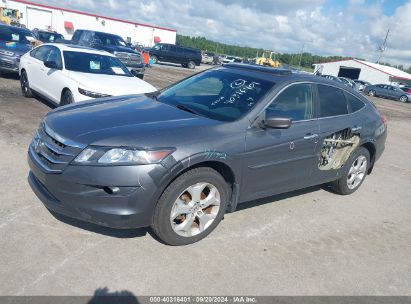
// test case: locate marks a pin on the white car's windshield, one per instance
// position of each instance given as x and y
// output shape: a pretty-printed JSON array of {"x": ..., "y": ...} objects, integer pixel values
[{"x": 94, "y": 64}]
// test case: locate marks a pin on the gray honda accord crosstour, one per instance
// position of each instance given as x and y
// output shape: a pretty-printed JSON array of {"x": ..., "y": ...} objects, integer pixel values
[{"x": 180, "y": 158}]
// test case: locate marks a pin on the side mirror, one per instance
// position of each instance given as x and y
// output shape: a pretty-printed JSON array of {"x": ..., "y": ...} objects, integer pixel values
[
  {"x": 51, "y": 65},
  {"x": 277, "y": 122}
]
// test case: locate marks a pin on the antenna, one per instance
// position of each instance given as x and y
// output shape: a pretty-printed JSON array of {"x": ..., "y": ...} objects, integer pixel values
[{"x": 381, "y": 49}]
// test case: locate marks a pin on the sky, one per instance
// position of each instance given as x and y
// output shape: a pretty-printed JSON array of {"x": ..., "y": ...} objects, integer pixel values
[{"x": 354, "y": 28}]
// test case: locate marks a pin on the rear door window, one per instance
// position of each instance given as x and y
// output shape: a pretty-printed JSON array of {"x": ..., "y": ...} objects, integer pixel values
[{"x": 332, "y": 101}]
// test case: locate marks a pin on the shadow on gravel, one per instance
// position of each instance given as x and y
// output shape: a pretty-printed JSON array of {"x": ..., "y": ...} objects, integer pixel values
[
  {"x": 102, "y": 296},
  {"x": 13, "y": 76},
  {"x": 46, "y": 102}
]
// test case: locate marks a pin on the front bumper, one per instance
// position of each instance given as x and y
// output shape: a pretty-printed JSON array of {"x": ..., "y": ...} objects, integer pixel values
[
  {"x": 9, "y": 64},
  {"x": 82, "y": 192}
]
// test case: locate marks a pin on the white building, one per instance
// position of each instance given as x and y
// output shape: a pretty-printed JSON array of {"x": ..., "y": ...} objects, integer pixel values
[
  {"x": 66, "y": 21},
  {"x": 363, "y": 70}
]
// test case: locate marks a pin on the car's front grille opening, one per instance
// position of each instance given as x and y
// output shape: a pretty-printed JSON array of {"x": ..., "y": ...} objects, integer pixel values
[{"x": 52, "y": 155}]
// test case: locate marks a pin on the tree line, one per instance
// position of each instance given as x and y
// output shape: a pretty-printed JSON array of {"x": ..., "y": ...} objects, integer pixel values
[{"x": 305, "y": 60}]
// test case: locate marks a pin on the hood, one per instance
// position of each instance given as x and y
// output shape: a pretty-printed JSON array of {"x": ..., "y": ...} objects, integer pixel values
[
  {"x": 124, "y": 121},
  {"x": 111, "y": 84},
  {"x": 15, "y": 47}
]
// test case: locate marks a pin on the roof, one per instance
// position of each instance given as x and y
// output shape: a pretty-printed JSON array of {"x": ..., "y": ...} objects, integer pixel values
[
  {"x": 92, "y": 15},
  {"x": 391, "y": 71},
  {"x": 78, "y": 48}
]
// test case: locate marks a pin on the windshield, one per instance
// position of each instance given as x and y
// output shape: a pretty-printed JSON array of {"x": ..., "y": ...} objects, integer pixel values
[
  {"x": 94, "y": 64},
  {"x": 110, "y": 39},
  {"x": 217, "y": 94},
  {"x": 13, "y": 35},
  {"x": 50, "y": 37}
]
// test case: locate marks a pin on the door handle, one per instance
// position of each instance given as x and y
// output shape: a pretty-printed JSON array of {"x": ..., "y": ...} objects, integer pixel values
[
  {"x": 310, "y": 136},
  {"x": 356, "y": 128}
]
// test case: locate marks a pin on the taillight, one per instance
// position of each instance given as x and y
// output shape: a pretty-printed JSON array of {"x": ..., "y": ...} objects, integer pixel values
[{"x": 383, "y": 119}]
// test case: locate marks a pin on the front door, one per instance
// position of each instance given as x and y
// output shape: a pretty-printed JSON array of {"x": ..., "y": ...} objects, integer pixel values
[{"x": 281, "y": 160}]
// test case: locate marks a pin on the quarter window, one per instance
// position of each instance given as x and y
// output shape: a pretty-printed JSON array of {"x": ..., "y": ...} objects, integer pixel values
[
  {"x": 332, "y": 101},
  {"x": 295, "y": 102},
  {"x": 354, "y": 102}
]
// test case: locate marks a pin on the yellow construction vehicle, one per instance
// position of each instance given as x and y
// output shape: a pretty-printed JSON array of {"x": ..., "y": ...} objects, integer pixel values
[
  {"x": 268, "y": 59},
  {"x": 10, "y": 16}
]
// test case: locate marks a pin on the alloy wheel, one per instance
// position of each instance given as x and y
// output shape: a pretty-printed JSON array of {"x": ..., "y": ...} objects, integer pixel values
[
  {"x": 195, "y": 209},
  {"x": 24, "y": 83},
  {"x": 357, "y": 172}
]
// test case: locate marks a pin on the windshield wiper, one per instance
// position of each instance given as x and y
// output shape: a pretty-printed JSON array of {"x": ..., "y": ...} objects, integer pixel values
[{"x": 187, "y": 109}]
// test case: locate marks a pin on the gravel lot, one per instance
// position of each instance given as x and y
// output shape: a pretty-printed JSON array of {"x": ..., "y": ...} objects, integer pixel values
[{"x": 307, "y": 242}]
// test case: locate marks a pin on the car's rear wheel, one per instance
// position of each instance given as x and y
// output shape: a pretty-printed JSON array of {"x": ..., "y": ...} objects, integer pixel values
[
  {"x": 25, "y": 86},
  {"x": 371, "y": 93},
  {"x": 403, "y": 98},
  {"x": 354, "y": 172},
  {"x": 190, "y": 207},
  {"x": 191, "y": 64},
  {"x": 66, "y": 98}
]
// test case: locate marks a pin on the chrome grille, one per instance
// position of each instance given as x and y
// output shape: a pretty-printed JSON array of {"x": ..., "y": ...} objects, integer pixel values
[
  {"x": 129, "y": 57},
  {"x": 52, "y": 155}
]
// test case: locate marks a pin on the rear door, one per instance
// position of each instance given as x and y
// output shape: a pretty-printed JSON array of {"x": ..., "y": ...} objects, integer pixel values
[
  {"x": 339, "y": 132},
  {"x": 280, "y": 160}
]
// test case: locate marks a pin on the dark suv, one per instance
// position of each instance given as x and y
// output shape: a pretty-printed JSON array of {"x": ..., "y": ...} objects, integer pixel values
[
  {"x": 178, "y": 159},
  {"x": 113, "y": 44},
  {"x": 48, "y": 36},
  {"x": 14, "y": 43},
  {"x": 187, "y": 57}
]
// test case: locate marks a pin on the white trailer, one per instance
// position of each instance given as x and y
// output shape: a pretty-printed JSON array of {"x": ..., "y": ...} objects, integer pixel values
[
  {"x": 66, "y": 21},
  {"x": 363, "y": 70}
]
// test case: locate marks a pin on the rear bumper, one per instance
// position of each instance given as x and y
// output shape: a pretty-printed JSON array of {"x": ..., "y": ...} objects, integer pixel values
[{"x": 80, "y": 192}]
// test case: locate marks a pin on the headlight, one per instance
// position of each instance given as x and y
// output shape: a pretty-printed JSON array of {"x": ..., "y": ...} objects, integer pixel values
[
  {"x": 92, "y": 94},
  {"x": 121, "y": 156}
]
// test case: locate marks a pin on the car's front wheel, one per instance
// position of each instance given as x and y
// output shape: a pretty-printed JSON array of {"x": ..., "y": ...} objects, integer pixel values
[
  {"x": 404, "y": 98},
  {"x": 25, "y": 86},
  {"x": 371, "y": 93},
  {"x": 66, "y": 98},
  {"x": 154, "y": 59},
  {"x": 354, "y": 172},
  {"x": 190, "y": 207}
]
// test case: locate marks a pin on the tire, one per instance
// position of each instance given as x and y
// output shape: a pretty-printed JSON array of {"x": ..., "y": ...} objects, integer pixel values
[
  {"x": 403, "y": 98},
  {"x": 154, "y": 59},
  {"x": 177, "y": 216},
  {"x": 356, "y": 160},
  {"x": 191, "y": 65},
  {"x": 371, "y": 93},
  {"x": 66, "y": 98},
  {"x": 25, "y": 86}
]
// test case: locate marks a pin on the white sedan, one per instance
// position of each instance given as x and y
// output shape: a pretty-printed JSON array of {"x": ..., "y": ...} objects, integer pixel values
[{"x": 69, "y": 73}]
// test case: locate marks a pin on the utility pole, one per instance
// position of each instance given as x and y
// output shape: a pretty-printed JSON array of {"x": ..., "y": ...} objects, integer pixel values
[
  {"x": 301, "y": 55},
  {"x": 383, "y": 47}
]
